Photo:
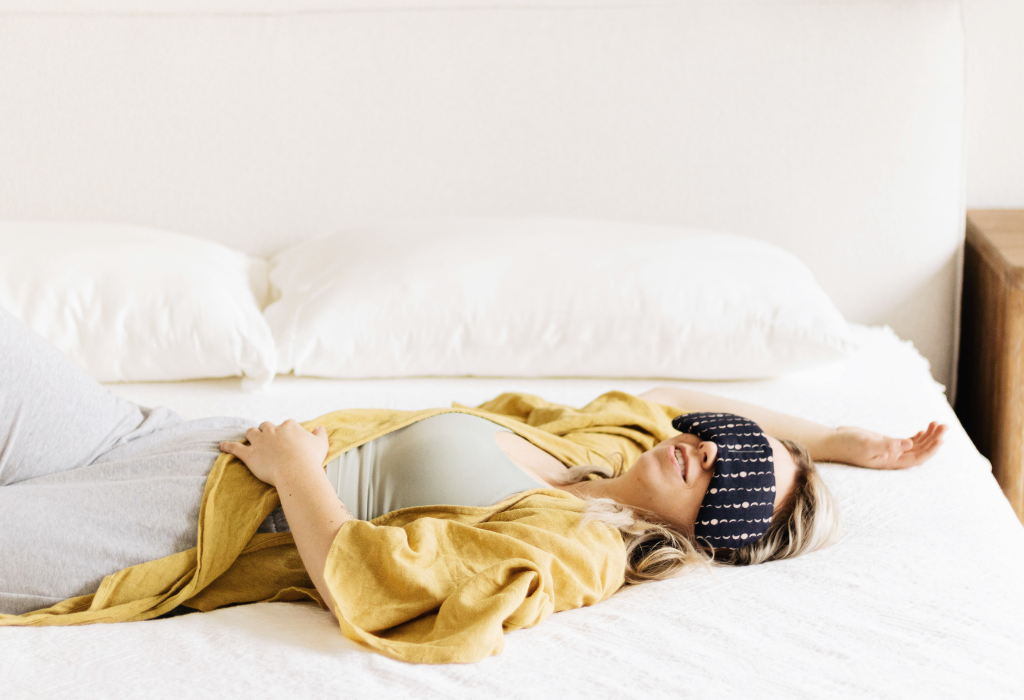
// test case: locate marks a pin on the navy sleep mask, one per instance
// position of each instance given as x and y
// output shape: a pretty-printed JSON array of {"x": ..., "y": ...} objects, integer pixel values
[{"x": 740, "y": 500}]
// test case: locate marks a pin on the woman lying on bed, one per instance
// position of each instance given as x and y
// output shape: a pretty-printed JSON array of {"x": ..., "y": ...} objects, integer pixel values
[{"x": 102, "y": 499}]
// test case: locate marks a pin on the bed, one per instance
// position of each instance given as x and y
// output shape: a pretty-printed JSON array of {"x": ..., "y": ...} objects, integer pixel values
[
  {"x": 830, "y": 129},
  {"x": 919, "y": 598}
]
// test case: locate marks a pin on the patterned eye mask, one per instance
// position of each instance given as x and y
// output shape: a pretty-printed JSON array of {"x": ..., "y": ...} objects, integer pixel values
[{"x": 738, "y": 506}]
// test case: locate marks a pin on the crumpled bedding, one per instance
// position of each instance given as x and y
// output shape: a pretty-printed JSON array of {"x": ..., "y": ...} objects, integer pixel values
[{"x": 919, "y": 598}]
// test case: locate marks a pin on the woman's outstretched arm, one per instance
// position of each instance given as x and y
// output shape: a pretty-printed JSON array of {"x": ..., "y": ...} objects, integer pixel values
[
  {"x": 290, "y": 458},
  {"x": 850, "y": 445}
]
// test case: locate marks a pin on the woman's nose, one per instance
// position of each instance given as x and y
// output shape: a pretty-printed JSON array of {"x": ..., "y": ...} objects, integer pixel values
[{"x": 710, "y": 451}]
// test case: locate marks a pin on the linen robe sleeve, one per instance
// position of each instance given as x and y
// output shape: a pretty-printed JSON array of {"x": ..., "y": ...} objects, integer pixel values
[
  {"x": 445, "y": 589},
  {"x": 614, "y": 429}
]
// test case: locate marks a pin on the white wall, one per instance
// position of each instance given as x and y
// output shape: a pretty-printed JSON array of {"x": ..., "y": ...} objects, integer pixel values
[{"x": 995, "y": 103}]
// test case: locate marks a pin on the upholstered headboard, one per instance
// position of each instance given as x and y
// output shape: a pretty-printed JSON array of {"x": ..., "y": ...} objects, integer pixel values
[{"x": 832, "y": 128}]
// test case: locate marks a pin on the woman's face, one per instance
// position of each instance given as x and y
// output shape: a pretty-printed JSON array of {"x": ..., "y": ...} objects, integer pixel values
[{"x": 671, "y": 479}]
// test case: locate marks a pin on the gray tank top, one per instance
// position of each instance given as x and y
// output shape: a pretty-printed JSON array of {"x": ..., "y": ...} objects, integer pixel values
[{"x": 447, "y": 459}]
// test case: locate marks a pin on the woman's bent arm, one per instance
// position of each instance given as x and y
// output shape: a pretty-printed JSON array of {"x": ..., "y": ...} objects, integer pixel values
[
  {"x": 290, "y": 458},
  {"x": 315, "y": 514},
  {"x": 857, "y": 446}
]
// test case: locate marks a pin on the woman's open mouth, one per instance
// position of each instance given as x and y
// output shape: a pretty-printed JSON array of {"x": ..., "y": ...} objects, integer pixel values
[{"x": 679, "y": 459}]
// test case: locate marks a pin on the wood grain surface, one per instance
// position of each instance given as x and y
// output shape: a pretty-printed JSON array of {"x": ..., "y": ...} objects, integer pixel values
[{"x": 990, "y": 394}]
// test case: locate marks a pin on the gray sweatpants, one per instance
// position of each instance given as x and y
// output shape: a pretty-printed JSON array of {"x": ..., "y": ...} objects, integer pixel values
[{"x": 89, "y": 483}]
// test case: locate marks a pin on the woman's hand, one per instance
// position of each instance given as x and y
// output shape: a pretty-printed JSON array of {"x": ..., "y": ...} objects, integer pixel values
[
  {"x": 272, "y": 450},
  {"x": 863, "y": 448},
  {"x": 290, "y": 458}
]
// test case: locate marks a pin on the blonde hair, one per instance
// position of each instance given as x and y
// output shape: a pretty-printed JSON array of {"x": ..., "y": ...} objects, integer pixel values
[{"x": 806, "y": 520}]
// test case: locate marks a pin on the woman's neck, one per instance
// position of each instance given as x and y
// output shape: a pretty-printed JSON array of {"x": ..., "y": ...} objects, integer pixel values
[
  {"x": 621, "y": 489},
  {"x": 612, "y": 488}
]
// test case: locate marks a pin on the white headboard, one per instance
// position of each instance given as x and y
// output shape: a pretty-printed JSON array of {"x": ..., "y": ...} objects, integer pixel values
[{"x": 833, "y": 128}]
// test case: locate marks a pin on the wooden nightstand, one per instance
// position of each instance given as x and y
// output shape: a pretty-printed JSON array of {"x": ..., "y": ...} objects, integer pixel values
[{"x": 990, "y": 385}]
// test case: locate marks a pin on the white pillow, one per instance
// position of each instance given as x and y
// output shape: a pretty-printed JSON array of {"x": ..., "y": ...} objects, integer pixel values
[
  {"x": 547, "y": 297},
  {"x": 135, "y": 304}
]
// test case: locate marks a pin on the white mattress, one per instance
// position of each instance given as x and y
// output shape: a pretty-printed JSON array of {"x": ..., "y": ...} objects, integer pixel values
[{"x": 920, "y": 598}]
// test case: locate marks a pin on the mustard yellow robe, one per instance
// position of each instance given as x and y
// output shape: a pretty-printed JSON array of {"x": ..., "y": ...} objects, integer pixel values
[{"x": 432, "y": 584}]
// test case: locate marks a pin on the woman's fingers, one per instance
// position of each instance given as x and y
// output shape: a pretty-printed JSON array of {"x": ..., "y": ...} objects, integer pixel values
[
  {"x": 934, "y": 440},
  {"x": 924, "y": 447},
  {"x": 866, "y": 448},
  {"x": 235, "y": 448},
  {"x": 931, "y": 439},
  {"x": 900, "y": 453}
]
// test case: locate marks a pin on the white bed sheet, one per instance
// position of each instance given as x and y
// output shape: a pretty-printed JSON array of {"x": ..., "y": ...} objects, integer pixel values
[{"x": 920, "y": 597}]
